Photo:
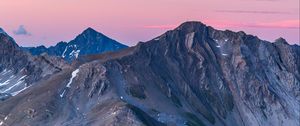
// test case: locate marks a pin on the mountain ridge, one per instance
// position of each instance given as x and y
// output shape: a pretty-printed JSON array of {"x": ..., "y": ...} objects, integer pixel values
[
  {"x": 88, "y": 42},
  {"x": 192, "y": 75}
]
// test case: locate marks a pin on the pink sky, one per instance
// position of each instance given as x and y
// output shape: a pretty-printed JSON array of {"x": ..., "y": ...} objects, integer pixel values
[{"x": 131, "y": 21}]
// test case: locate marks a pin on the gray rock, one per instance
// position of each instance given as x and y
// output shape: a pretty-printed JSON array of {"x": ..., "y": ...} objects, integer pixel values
[{"x": 192, "y": 75}]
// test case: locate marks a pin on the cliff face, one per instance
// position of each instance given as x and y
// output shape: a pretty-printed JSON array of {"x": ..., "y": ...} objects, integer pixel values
[{"x": 192, "y": 75}]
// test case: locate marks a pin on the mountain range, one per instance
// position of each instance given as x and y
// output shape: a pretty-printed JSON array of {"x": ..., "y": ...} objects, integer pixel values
[
  {"x": 193, "y": 75},
  {"x": 87, "y": 43}
]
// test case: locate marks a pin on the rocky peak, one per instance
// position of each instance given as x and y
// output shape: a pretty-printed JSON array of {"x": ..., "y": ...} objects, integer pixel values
[
  {"x": 88, "y": 42},
  {"x": 191, "y": 26},
  {"x": 91, "y": 37},
  {"x": 89, "y": 32},
  {"x": 281, "y": 40}
]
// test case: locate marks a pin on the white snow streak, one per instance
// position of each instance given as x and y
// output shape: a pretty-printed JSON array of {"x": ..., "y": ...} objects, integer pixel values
[
  {"x": 64, "y": 55},
  {"x": 62, "y": 94},
  {"x": 224, "y": 54},
  {"x": 8, "y": 89},
  {"x": 75, "y": 53},
  {"x": 5, "y": 83},
  {"x": 17, "y": 92},
  {"x": 74, "y": 74}
]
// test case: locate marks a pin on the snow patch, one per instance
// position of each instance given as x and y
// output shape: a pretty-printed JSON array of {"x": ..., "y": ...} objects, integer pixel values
[
  {"x": 75, "y": 53},
  {"x": 62, "y": 94},
  {"x": 17, "y": 84},
  {"x": 6, "y": 72},
  {"x": 22, "y": 78},
  {"x": 2, "y": 121},
  {"x": 64, "y": 53},
  {"x": 74, "y": 74},
  {"x": 12, "y": 84},
  {"x": 17, "y": 92},
  {"x": 5, "y": 83},
  {"x": 223, "y": 54}
]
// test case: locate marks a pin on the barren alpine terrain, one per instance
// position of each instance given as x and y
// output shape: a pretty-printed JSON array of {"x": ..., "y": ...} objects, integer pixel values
[{"x": 193, "y": 75}]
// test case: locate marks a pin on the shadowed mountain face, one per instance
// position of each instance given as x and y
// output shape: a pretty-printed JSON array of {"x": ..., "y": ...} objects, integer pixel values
[
  {"x": 193, "y": 75},
  {"x": 88, "y": 42},
  {"x": 19, "y": 70}
]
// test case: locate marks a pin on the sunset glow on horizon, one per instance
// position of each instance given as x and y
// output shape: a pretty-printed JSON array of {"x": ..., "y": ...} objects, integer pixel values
[{"x": 46, "y": 22}]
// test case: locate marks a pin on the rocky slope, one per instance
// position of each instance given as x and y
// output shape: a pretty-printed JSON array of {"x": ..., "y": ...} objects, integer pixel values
[
  {"x": 88, "y": 42},
  {"x": 19, "y": 70},
  {"x": 193, "y": 75}
]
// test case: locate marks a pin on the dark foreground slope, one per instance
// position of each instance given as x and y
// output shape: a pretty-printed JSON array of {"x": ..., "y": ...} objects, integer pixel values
[
  {"x": 86, "y": 43},
  {"x": 192, "y": 75}
]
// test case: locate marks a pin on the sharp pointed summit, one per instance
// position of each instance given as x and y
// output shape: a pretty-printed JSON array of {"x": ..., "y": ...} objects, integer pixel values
[
  {"x": 89, "y": 29},
  {"x": 88, "y": 42}
]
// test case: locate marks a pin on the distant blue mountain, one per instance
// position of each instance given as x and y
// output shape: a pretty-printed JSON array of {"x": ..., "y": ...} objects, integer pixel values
[{"x": 88, "y": 42}]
